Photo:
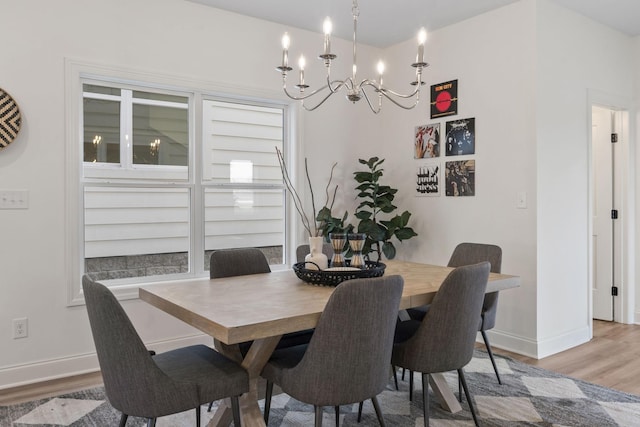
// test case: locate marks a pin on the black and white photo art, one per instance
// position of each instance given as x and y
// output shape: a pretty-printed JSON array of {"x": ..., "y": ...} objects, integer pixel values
[
  {"x": 428, "y": 180},
  {"x": 460, "y": 137},
  {"x": 460, "y": 178}
]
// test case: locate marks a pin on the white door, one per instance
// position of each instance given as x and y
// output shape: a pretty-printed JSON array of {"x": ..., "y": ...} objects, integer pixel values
[{"x": 604, "y": 183}]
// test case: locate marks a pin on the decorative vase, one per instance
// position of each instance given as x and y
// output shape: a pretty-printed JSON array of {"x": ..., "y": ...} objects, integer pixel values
[
  {"x": 338, "y": 241},
  {"x": 316, "y": 256},
  {"x": 356, "y": 242}
]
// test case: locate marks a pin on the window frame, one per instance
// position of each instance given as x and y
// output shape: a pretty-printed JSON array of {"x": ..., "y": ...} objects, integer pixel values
[
  {"x": 77, "y": 74},
  {"x": 127, "y": 168}
]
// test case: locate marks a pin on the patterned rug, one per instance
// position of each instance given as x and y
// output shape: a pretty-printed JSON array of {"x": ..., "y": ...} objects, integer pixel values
[{"x": 529, "y": 396}]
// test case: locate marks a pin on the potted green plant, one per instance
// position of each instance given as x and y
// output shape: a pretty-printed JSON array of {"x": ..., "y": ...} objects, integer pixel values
[{"x": 377, "y": 202}]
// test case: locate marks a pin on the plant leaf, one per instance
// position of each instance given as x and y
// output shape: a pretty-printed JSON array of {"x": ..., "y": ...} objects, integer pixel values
[{"x": 389, "y": 250}]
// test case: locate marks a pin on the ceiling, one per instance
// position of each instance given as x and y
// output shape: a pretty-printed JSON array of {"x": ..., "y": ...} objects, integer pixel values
[{"x": 401, "y": 19}]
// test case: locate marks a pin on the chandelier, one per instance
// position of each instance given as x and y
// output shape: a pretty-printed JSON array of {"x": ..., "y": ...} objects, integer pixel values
[{"x": 355, "y": 90}]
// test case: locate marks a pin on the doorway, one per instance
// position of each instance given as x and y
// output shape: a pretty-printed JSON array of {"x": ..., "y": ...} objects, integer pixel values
[{"x": 608, "y": 176}]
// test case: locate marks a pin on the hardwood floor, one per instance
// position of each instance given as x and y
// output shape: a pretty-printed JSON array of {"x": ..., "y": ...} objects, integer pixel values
[{"x": 611, "y": 359}]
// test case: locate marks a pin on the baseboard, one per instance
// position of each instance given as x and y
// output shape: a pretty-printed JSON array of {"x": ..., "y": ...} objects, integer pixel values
[
  {"x": 510, "y": 342},
  {"x": 52, "y": 369},
  {"x": 538, "y": 349}
]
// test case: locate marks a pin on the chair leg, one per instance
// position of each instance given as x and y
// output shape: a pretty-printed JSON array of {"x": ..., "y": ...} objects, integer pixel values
[
  {"x": 151, "y": 422},
  {"x": 411, "y": 386},
  {"x": 198, "y": 416},
  {"x": 318, "y": 411},
  {"x": 267, "y": 401},
  {"x": 337, "y": 416},
  {"x": 493, "y": 362},
  {"x": 235, "y": 409},
  {"x": 210, "y": 405},
  {"x": 394, "y": 370},
  {"x": 123, "y": 420},
  {"x": 425, "y": 398},
  {"x": 403, "y": 370},
  {"x": 466, "y": 393},
  {"x": 376, "y": 406},
  {"x": 459, "y": 389},
  {"x": 360, "y": 411}
]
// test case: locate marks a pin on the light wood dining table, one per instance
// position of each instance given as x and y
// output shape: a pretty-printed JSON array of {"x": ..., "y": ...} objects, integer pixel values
[{"x": 263, "y": 307}]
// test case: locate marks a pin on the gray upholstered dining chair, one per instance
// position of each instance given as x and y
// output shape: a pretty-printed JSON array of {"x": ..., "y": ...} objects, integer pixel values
[
  {"x": 142, "y": 384},
  {"x": 237, "y": 262},
  {"x": 472, "y": 253},
  {"x": 444, "y": 340},
  {"x": 347, "y": 359},
  {"x": 303, "y": 250}
]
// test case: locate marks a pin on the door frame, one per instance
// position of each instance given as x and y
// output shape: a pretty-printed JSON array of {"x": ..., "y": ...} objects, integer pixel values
[{"x": 624, "y": 305}]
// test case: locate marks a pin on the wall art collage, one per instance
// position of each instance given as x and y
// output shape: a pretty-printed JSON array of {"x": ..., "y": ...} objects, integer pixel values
[{"x": 452, "y": 138}]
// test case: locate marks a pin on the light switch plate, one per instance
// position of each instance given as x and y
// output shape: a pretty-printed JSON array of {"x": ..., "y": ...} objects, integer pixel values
[
  {"x": 521, "y": 200},
  {"x": 14, "y": 199}
]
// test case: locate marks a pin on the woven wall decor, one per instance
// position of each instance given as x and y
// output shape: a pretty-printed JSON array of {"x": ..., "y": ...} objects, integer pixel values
[{"x": 10, "y": 119}]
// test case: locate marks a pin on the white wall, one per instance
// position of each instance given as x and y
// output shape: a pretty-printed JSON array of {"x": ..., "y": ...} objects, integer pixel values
[
  {"x": 522, "y": 75},
  {"x": 575, "y": 55},
  {"x": 491, "y": 56}
]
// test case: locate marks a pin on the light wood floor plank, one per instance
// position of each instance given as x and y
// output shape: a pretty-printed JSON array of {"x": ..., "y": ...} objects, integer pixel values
[{"x": 610, "y": 359}]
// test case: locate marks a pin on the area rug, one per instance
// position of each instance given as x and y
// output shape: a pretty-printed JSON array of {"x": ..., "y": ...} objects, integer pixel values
[{"x": 529, "y": 396}]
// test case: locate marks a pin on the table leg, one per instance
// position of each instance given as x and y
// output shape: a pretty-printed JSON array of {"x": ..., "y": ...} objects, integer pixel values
[
  {"x": 258, "y": 355},
  {"x": 444, "y": 394}
]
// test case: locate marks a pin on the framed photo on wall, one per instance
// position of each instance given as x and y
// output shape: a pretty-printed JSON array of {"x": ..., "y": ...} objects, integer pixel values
[
  {"x": 460, "y": 178},
  {"x": 460, "y": 137},
  {"x": 444, "y": 99},
  {"x": 428, "y": 179},
  {"x": 426, "y": 141}
]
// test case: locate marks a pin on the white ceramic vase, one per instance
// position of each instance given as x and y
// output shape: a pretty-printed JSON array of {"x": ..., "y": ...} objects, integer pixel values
[{"x": 316, "y": 255}]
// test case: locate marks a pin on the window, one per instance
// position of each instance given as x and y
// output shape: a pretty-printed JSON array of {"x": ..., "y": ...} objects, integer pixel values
[
  {"x": 243, "y": 191},
  {"x": 162, "y": 186}
]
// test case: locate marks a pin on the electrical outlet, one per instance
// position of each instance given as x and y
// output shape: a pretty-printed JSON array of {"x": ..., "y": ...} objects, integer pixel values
[{"x": 20, "y": 328}]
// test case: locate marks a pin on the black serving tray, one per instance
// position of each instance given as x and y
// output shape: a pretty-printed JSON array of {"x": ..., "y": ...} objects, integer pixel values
[{"x": 333, "y": 277}]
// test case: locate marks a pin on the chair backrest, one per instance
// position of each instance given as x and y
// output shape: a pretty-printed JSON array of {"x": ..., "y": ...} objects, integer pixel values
[
  {"x": 133, "y": 382},
  {"x": 445, "y": 339},
  {"x": 348, "y": 357},
  {"x": 473, "y": 253},
  {"x": 237, "y": 262},
  {"x": 303, "y": 250}
]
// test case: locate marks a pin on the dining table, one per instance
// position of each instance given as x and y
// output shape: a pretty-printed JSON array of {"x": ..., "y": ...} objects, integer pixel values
[{"x": 260, "y": 308}]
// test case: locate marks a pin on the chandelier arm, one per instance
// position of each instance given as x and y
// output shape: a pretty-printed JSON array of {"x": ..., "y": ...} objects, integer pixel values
[
  {"x": 371, "y": 107},
  {"x": 406, "y": 107},
  {"x": 348, "y": 83},
  {"x": 303, "y": 97},
  {"x": 392, "y": 99},
  {"x": 322, "y": 101},
  {"x": 383, "y": 89}
]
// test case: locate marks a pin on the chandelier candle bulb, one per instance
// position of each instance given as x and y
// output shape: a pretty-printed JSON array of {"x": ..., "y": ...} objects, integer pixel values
[
  {"x": 301, "y": 64},
  {"x": 327, "y": 27},
  {"x": 285, "y": 50},
  {"x": 422, "y": 38},
  {"x": 380, "y": 73}
]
